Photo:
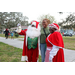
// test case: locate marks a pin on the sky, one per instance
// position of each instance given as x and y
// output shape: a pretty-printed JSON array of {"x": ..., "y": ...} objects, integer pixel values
[{"x": 36, "y": 15}]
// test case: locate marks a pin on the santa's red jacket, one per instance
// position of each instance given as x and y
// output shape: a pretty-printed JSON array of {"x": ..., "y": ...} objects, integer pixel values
[{"x": 25, "y": 49}]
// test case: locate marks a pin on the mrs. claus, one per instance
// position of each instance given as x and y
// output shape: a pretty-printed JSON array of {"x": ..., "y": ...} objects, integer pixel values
[{"x": 55, "y": 45}]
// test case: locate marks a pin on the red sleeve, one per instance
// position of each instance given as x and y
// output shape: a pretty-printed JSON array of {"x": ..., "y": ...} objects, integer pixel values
[
  {"x": 23, "y": 32},
  {"x": 56, "y": 39}
]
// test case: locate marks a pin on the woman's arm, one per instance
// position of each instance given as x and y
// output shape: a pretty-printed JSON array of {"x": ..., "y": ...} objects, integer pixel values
[{"x": 53, "y": 52}]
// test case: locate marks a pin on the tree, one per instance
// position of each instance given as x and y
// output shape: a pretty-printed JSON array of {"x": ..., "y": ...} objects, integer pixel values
[
  {"x": 60, "y": 12},
  {"x": 11, "y": 19},
  {"x": 69, "y": 21},
  {"x": 51, "y": 18}
]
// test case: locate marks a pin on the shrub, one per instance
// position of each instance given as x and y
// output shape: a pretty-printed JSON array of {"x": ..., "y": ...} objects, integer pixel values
[{"x": 16, "y": 35}]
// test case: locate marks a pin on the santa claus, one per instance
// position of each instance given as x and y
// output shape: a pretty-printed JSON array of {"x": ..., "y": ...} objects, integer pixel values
[{"x": 31, "y": 41}]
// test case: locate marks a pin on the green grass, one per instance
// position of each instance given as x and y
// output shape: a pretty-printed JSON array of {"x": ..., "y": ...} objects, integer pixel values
[
  {"x": 69, "y": 42},
  {"x": 10, "y": 54},
  {"x": 2, "y": 35}
]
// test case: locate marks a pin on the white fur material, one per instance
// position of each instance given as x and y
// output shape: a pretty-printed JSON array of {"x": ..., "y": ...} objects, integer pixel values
[
  {"x": 18, "y": 24},
  {"x": 33, "y": 23},
  {"x": 53, "y": 26},
  {"x": 53, "y": 52},
  {"x": 24, "y": 58},
  {"x": 33, "y": 32},
  {"x": 18, "y": 29}
]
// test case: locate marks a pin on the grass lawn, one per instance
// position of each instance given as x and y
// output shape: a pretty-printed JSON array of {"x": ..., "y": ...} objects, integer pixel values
[
  {"x": 10, "y": 54},
  {"x": 69, "y": 42},
  {"x": 2, "y": 35}
]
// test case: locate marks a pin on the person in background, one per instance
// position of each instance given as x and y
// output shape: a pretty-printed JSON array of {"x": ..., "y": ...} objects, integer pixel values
[
  {"x": 55, "y": 45},
  {"x": 6, "y": 33},
  {"x": 9, "y": 35},
  {"x": 12, "y": 35},
  {"x": 44, "y": 33}
]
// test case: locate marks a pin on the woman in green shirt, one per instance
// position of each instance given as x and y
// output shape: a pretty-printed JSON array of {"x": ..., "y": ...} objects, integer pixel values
[{"x": 44, "y": 33}]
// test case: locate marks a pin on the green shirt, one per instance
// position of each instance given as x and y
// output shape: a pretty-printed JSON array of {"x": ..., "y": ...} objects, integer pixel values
[{"x": 43, "y": 37}]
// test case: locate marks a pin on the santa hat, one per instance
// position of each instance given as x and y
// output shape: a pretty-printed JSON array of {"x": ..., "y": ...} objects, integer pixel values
[
  {"x": 35, "y": 23},
  {"x": 54, "y": 25},
  {"x": 6, "y": 29}
]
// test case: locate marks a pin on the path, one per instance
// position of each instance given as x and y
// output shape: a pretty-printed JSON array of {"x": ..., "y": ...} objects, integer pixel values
[{"x": 69, "y": 54}]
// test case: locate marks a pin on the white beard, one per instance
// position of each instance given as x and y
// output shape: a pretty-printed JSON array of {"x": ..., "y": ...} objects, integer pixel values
[{"x": 33, "y": 32}]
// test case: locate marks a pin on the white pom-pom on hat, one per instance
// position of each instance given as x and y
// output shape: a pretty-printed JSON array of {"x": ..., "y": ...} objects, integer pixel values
[{"x": 18, "y": 24}]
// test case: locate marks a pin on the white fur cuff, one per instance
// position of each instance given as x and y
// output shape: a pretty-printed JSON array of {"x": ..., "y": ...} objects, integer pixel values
[
  {"x": 19, "y": 29},
  {"x": 24, "y": 58}
]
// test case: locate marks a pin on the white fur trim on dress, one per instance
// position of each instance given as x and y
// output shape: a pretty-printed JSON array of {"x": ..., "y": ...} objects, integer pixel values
[
  {"x": 53, "y": 52},
  {"x": 52, "y": 43}
]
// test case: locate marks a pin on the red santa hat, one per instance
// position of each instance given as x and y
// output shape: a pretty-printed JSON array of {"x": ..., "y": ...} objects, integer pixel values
[
  {"x": 35, "y": 23},
  {"x": 54, "y": 25},
  {"x": 6, "y": 29}
]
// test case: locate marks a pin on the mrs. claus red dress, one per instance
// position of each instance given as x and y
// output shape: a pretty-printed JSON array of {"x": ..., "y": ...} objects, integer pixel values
[{"x": 55, "y": 39}]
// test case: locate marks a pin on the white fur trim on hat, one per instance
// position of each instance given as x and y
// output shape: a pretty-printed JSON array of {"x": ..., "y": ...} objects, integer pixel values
[
  {"x": 18, "y": 24},
  {"x": 33, "y": 23},
  {"x": 53, "y": 26}
]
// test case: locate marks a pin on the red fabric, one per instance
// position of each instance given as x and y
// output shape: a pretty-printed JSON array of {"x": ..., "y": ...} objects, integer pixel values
[
  {"x": 59, "y": 56},
  {"x": 25, "y": 49},
  {"x": 6, "y": 29},
  {"x": 48, "y": 43},
  {"x": 8, "y": 33},
  {"x": 23, "y": 32},
  {"x": 32, "y": 55},
  {"x": 56, "y": 25},
  {"x": 56, "y": 39},
  {"x": 36, "y": 23}
]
